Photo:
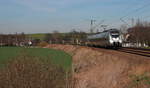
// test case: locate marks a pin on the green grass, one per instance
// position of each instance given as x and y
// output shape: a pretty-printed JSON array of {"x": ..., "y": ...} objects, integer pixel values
[
  {"x": 8, "y": 52},
  {"x": 57, "y": 57},
  {"x": 41, "y": 36},
  {"x": 139, "y": 80},
  {"x": 37, "y": 36}
]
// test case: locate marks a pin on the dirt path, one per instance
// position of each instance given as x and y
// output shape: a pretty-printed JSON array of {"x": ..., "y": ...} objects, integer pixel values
[{"x": 100, "y": 68}]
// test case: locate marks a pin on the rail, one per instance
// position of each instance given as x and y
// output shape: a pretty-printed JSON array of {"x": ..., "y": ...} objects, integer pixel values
[{"x": 137, "y": 51}]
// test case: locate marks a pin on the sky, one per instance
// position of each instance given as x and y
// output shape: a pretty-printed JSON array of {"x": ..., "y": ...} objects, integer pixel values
[{"x": 45, "y": 16}]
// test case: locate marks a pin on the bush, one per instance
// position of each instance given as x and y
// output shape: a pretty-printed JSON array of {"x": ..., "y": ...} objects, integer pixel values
[{"x": 42, "y": 44}]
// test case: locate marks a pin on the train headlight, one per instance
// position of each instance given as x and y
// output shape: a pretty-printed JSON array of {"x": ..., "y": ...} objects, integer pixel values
[
  {"x": 111, "y": 41},
  {"x": 120, "y": 41}
]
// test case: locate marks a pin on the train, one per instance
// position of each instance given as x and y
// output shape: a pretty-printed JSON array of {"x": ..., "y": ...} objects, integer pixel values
[{"x": 107, "y": 38}]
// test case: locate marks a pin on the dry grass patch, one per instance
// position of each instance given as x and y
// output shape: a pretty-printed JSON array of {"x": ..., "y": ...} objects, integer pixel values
[{"x": 100, "y": 68}]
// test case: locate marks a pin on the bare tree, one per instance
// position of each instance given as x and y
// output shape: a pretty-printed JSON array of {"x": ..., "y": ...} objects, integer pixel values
[
  {"x": 140, "y": 33},
  {"x": 56, "y": 37}
]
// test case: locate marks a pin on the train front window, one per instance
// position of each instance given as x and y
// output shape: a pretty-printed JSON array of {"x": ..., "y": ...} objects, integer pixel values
[{"x": 115, "y": 36}]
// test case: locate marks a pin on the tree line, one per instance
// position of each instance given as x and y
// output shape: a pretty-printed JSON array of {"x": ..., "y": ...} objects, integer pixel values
[
  {"x": 140, "y": 33},
  {"x": 12, "y": 39},
  {"x": 73, "y": 37}
]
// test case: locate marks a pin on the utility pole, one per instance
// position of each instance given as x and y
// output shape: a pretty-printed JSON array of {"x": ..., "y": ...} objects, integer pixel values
[
  {"x": 92, "y": 22},
  {"x": 104, "y": 27}
]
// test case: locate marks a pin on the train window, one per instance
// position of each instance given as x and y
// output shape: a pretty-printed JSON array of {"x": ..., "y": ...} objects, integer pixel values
[
  {"x": 115, "y": 36},
  {"x": 114, "y": 31}
]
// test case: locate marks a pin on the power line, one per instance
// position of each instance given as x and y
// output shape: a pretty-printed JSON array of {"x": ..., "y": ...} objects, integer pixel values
[
  {"x": 136, "y": 10},
  {"x": 124, "y": 22},
  {"x": 98, "y": 24}
]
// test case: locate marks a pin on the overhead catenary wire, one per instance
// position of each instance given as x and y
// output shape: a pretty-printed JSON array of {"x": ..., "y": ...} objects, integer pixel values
[
  {"x": 131, "y": 12},
  {"x": 136, "y": 10}
]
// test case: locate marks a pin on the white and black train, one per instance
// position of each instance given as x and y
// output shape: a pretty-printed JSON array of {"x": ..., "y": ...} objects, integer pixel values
[{"x": 108, "y": 38}]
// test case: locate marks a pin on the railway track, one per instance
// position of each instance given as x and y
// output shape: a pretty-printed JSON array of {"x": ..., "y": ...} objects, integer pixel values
[{"x": 137, "y": 51}]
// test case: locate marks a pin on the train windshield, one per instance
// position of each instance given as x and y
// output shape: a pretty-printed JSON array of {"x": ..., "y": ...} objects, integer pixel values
[{"x": 115, "y": 34}]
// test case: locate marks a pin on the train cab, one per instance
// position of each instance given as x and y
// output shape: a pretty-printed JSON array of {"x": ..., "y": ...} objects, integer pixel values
[{"x": 115, "y": 38}]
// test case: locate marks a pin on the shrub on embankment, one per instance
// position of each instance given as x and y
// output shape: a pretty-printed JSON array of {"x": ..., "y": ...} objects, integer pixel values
[{"x": 42, "y": 44}]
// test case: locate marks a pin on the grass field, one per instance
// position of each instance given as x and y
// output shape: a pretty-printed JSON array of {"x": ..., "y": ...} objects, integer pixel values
[
  {"x": 55, "y": 56},
  {"x": 37, "y": 36},
  {"x": 34, "y": 68},
  {"x": 41, "y": 36}
]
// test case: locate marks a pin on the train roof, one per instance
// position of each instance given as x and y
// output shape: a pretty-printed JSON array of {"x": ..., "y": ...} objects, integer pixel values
[{"x": 109, "y": 30}]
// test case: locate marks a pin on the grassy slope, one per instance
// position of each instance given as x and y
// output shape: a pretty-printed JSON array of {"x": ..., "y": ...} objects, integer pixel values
[{"x": 57, "y": 57}]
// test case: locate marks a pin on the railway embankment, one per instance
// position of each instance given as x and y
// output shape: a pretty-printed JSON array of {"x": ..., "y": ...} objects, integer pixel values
[{"x": 100, "y": 68}]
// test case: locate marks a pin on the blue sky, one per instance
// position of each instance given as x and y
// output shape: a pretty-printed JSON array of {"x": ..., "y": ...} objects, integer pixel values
[{"x": 42, "y": 16}]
